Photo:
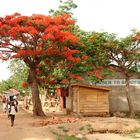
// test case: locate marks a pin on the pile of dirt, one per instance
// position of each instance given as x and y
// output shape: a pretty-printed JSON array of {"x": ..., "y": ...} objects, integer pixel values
[
  {"x": 54, "y": 120},
  {"x": 88, "y": 125}
]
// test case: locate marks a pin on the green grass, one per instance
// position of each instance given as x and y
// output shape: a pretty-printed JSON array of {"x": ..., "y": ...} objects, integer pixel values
[
  {"x": 134, "y": 134},
  {"x": 82, "y": 128},
  {"x": 89, "y": 125},
  {"x": 137, "y": 117},
  {"x": 60, "y": 127},
  {"x": 90, "y": 130},
  {"x": 66, "y": 137},
  {"x": 65, "y": 130}
]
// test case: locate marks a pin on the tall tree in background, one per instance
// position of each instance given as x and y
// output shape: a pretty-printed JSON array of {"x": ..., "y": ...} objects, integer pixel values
[
  {"x": 94, "y": 43},
  {"x": 96, "y": 65},
  {"x": 36, "y": 39},
  {"x": 19, "y": 73},
  {"x": 124, "y": 55}
]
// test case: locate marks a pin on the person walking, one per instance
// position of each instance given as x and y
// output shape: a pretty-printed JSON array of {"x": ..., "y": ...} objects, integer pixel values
[
  {"x": 8, "y": 107},
  {"x": 16, "y": 103},
  {"x": 12, "y": 111},
  {"x": 4, "y": 103}
]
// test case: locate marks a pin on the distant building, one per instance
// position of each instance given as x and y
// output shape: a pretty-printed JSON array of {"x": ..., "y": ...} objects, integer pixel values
[{"x": 117, "y": 98}]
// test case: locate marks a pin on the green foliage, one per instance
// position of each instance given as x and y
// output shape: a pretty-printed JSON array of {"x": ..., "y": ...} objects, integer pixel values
[
  {"x": 18, "y": 67},
  {"x": 137, "y": 117},
  {"x": 97, "y": 42},
  {"x": 87, "y": 47},
  {"x": 65, "y": 7},
  {"x": 108, "y": 49},
  {"x": 19, "y": 74},
  {"x": 65, "y": 130},
  {"x": 82, "y": 128},
  {"x": 4, "y": 85},
  {"x": 66, "y": 137},
  {"x": 134, "y": 134},
  {"x": 93, "y": 46},
  {"x": 60, "y": 127},
  {"x": 122, "y": 53}
]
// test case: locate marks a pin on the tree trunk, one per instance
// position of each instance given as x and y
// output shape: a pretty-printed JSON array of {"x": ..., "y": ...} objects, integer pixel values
[
  {"x": 127, "y": 90},
  {"x": 37, "y": 107},
  {"x": 71, "y": 97}
]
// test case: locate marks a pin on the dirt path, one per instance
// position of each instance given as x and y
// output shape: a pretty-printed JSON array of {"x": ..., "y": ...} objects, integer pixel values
[{"x": 23, "y": 130}]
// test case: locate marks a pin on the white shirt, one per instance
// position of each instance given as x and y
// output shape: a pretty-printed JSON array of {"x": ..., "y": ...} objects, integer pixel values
[{"x": 12, "y": 111}]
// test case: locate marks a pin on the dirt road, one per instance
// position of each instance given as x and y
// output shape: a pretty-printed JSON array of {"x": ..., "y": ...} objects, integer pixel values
[{"x": 23, "y": 130}]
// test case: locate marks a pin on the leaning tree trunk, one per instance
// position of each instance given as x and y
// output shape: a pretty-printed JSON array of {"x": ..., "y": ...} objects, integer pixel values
[
  {"x": 127, "y": 91},
  {"x": 37, "y": 107}
]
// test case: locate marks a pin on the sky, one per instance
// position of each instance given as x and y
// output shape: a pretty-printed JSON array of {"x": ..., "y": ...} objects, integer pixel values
[{"x": 113, "y": 16}]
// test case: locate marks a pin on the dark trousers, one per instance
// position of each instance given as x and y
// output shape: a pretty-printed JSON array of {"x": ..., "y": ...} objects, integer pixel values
[{"x": 12, "y": 119}]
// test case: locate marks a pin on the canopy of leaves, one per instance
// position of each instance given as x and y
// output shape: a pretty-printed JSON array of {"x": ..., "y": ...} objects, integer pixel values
[
  {"x": 123, "y": 53},
  {"x": 48, "y": 45},
  {"x": 65, "y": 7},
  {"x": 42, "y": 42}
]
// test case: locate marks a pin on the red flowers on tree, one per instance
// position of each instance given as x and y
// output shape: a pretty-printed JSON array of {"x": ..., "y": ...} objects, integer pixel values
[
  {"x": 38, "y": 40},
  {"x": 25, "y": 84}
]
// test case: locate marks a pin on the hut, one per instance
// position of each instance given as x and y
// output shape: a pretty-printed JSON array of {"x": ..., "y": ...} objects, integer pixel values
[{"x": 88, "y": 100}]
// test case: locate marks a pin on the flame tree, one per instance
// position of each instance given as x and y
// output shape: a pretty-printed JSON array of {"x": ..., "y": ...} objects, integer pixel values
[{"x": 37, "y": 40}]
